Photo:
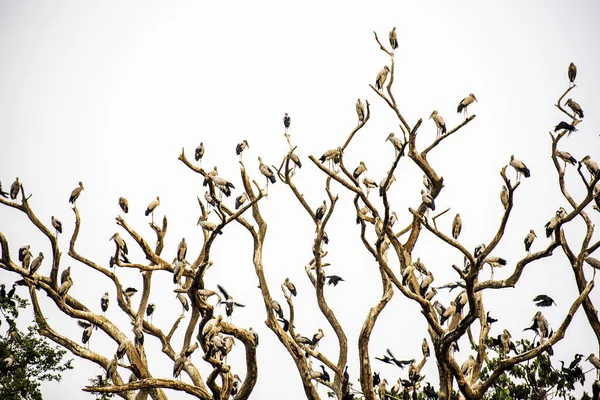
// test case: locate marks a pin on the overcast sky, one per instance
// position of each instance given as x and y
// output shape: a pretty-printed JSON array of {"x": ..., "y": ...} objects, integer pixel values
[{"x": 108, "y": 93}]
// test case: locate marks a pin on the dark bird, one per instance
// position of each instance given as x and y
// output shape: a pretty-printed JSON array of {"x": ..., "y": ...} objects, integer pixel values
[
  {"x": 199, "y": 153},
  {"x": 393, "y": 360},
  {"x": 321, "y": 211},
  {"x": 36, "y": 263},
  {"x": 178, "y": 366},
  {"x": 360, "y": 110},
  {"x": 56, "y": 224},
  {"x": 87, "y": 334},
  {"x": 241, "y": 147},
  {"x": 562, "y": 125},
  {"x": 23, "y": 251},
  {"x": 290, "y": 286},
  {"x": 464, "y": 103},
  {"x": 594, "y": 263},
  {"x": 150, "y": 309},
  {"x": 181, "y": 250},
  {"x": 104, "y": 302},
  {"x": 240, "y": 200},
  {"x": 520, "y": 167},
  {"x": 430, "y": 392},
  {"x": 2, "y": 192},
  {"x": 285, "y": 323},
  {"x": 542, "y": 300},
  {"x": 14, "y": 189},
  {"x": 229, "y": 303},
  {"x": 381, "y": 77},
  {"x": 575, "y": 107},
  {"x": 572, "y": 73},
  {"x": 439, "y": 123},
  {"x": 425, "y": 348},
  {"x": 393, "y": 39},
  {"x": 479, "y": 250},
  {"x": 334, "y": 279},
  {"x": 75, "y": 193},
  {"x": 490, "y": 320},
  {"x": 286, "y": 122},
  {"x": 124, "y": 204},
  {"x": 130, "y": 291}
]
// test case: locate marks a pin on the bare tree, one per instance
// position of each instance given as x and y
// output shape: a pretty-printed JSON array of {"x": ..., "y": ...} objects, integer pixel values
[{"x": 400, "y": 270}]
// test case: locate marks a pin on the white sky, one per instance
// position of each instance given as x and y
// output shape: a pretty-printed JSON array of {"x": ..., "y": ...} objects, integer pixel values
[{"x": 109, "y": 93}]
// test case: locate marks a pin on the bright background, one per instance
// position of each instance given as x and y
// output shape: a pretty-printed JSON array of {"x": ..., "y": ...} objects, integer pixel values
[{"x": 109, "y": 92}]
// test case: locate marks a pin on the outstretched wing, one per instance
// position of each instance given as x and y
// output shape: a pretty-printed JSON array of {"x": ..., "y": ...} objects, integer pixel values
[{"x": 223, "y": 291}]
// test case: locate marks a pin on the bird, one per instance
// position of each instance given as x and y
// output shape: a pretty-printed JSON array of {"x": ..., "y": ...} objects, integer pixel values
[
  {"x": 241, "y": 147},
  {"x": 594, "y": 263},
  {"x": 383, "y": 186},
  {"x": 267, "y": 172},
  {"x": 288, "y": 284},
  {"x": 181, "y": 250},
  {"x": 317, "y": 336},
  {"x": 87, "y": 334},
  {"x": 467, "y": 366},
  {"x": 393, "y": 360},
  {"x": 542, "y": 300},
  {"x": 495, "y": 262},
  {"x": 505, "y": 343},
  {"x": 66, "y": 274},
  {"x": 207, "y": 225},
  {"x": 540, "y": 324},
  {"x": 296, "y": 160},
  {"x": 334, "y": 280},
  {"x": 254, "y": 335},
  {"x": 396, "y": 142},
  {"x": 130, "y": 291},
  {"x": 591, "y": 165},
  {"x": 56, "y": 224},
  {"x": 23, "y": 252},
  {"x": 240, "y": 200},
  {"x": 120, "y": 243},
  {"x": 184, "y": 301},
  {"x": 151, "y": 207},
  {"x": 426, "y": 182},
  {"x": 562, "y": 125},
  {"x": 360, "y": 110},
  {"x": 104, "y": 302},
  {"x": 479, "y": 250},
  {"x": 178, "y": 366},
  {"x": 382, "y": 390},
  {"x": 504, "y": 196},
  {"x": 575, "y": 107},
  {"x": 464, "y": 103},
  {"x": 150, "y": 309},
  {"x": 64, "y": 287},
  {"x": 428, "y": 200},
  {"x": 439, "y": 123},
  {"x": 572, "y": 74},
  {"x": 381, "y": 77},
  {"x": 209, "y": 199},
  {"x": 124, "y": 204},
  {"x": 519, "y": 167},
  {"x": 3, "y": 193},
  {"x": 138, "y": 334},
  {"x": 199, "y": 153},
  {"x": 369, "y": 184},
  {"x": 330, "y": 155},
  {"x": 277, "y": 308},
  {"x": 14, "y": 189},
  {"x": 359, "y": 170},
  {"x": 75, "y": 193},
  {"x": 456, "y": 226},
  {"x": 551, "y": 225},
  {"x": 425, "y": 348},
  {"x": 286, "y": 122},
  {"x": 566, "y": 157},
  {"x": 529, "y": 240},
  {"x": 8, "y": 362},
  {"x": 393, "y": 39},
  {"x": 112, "y": 367},
  {"x": 320, "y": 213},
  {"x": 229, "y": 303},
  {"x": 427, "y": 280},
  {"x": 594, "y": 361},
  {"x": 489, "y": 319},
  {"x": 36, "y": 263}
]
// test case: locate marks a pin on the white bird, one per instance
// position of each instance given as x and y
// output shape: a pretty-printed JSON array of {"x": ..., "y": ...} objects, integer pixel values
[
  {"x": 393, "y": 139},
  {"x": 56, "y": 224},
  {"x": 152, "y": 206},
  {"x": 207, "y": 225},
  {"x": 360, "y": 111},
  {"x": 591, "y": 165},
  {"x": 439, "y": 123},
  {"x": 369, "y": 184},
  {"x": 519, "y": 167},
  {"x": 14, "y": 189},
  {"x": 74, "y": 194},
  {"x": 464, "y": 103},
  {"x": 428, "y": 200},
  {"x": 359, "y": 170},
  {"x": 124, "y": 204},
  {"x": 529, "y": 240},
  {"x": 181, "y": 250},
  {"x": 575, "y": 107},
  {"x": 504, "y": 196},
  {"x": 36, "y": 263},
  {"x": 381, "y": 77},
  {"x": 393, "y": 39},
  {"x": 267, "y": 172},
  {"x": 456, "y": 226}
]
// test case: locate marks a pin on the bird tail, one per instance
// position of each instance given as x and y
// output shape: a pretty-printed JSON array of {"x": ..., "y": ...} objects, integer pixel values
[
  {"x": 272, "y": 179},
  {"x": 147, "y": 212}
]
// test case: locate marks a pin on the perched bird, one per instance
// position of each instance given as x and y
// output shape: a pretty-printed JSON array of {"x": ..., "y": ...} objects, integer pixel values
[
  {"x": 591, "y": 165},
  {"x": 286, "y": 122},
  {"x": 467, "y": 366},
  {"x": 504, "y": 196},
  {"x": 317, "y": 337},
  {"x": 552, "y": 224},
  {"x": 505, "y": 343},
  {"x": 277, "y": 308},
  {"x": 288, "y": 284},
  {"x": 330, "y": 155},
  {"x": 396, "y": 142},
  {"x": 426, "y": 182},
  {"x": 150, "y": 309},
  {"x": 594, "y": 361},
  {"x": 385, "y": 186},
  {"x": 594, "y": 263},
  {"x": 66, "y": 274},
  {"x": 572, "y": 73},
  {"x": 124, "y": 204},
  {"x": 75, "y": 193},
  {"x": 369, "y": 184},
  {"x": 428, "y": 200},
  {"x": 334, "y": 279},
  {"x": 104, "y": 302},
  {"x": 495, "y": 262},
  {"x": 464, "y": 103},
  {"x": 64, "y": 287},
  {"x": 575, "y": 107},
  {"x": 566, "y": 157},
  {"x": 229, "y": 303},
  {"x": 529, "y": 240},
  {"x": 3, "y": 193},
  {"x": 181, "y": 250},
  {"x": 209, "y": 199},
  {"x": 393, "y": 39},
  {"x": 360, "y": 110},
  {"x": 57, "y": 225},
  {"x": 296, "y": 160},
  {"x": 382, "y": 390},
  {"x": 10, "y": 360},
  {"x": 240, "y": 200},
  {"x": 241, "y": 147},
  {"x": 479, "y": 250},
  {"x": 15, "y": 188},
  {"x": 87, "y": 333},
  {"x": 381, "y": 77},
  {"x": 254, "y": 335},
  {"x": 184, "y": 301},
  {"x": 112, "y": 367},
  {"x": 321, "y": 211},
  {"x": 178, "y": 366},
  {"x": 36, "y": 263},
  {"x": 207, "y": 225},
  {"x": 359, "y": 170},
  {"x": 541, "y": 300},
  {"x": 152, "y": 206},
  {"x": 267, "y": 172},
  {"x": 120, "y": 243},
  {"x": 519, "y": 167},
  {"x": 562, "y": 125},
  {"x": 439, "y": 123},
  {"x": 425, "y": 348},
  {"x": 540, "y": 325},
  {"x": 427, "y": 280},
  {"x": 130, "y": 292},
  {"x": 199, "y": 153},
  {"x": 456, "y": 226}
]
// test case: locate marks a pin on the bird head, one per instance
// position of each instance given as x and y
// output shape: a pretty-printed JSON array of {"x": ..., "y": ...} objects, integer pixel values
[
  {"x": 390, "y": 136},
  {"x": 433, "y": 113},
  {"x": 473, "y": 96}
]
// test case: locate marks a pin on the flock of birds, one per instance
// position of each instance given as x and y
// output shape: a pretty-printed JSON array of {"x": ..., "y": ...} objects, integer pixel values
[{"x": 415, "y": 276}]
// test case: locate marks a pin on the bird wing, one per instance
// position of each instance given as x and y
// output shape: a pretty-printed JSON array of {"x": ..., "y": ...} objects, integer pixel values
[
  {"x": 239, "y": 304},
  {"x": 223, "y": 291},
  {"x": 84, "y": 324}
]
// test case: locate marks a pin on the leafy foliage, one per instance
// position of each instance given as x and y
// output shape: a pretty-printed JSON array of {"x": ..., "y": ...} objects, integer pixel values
[{"x": 35, "y": 360}]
